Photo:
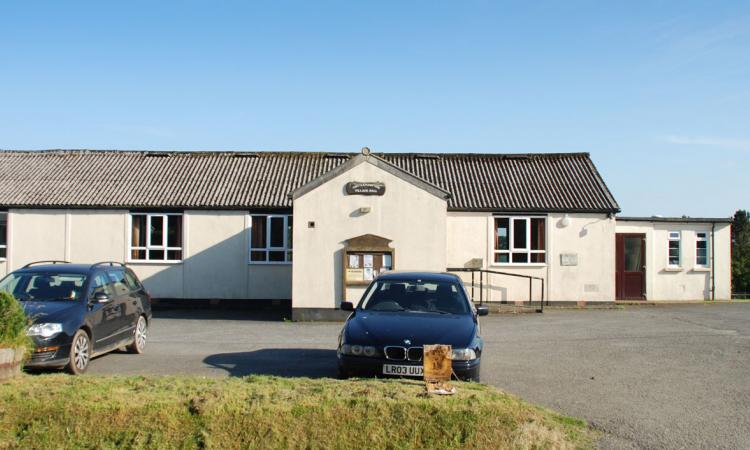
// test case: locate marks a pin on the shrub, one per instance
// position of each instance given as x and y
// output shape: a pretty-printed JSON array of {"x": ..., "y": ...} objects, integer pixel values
[{"x": 13, "y": 323}]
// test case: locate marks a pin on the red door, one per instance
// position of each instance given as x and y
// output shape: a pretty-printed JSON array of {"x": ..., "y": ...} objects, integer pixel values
[{"x": 631, "y": 266}]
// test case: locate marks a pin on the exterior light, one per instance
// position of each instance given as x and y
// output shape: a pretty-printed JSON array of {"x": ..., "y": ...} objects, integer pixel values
[
  {"x": 364, "y": 210},
  {"x": 565, "y": 221}
]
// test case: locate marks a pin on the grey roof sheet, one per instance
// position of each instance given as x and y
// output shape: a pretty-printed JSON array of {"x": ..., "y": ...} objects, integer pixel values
[{"x": 240, "y": 180}]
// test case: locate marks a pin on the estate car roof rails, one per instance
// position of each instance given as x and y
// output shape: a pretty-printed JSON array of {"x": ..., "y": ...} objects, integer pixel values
[
  {"x": 51, "y": 261},
  {"x": 110, "y": 263}
]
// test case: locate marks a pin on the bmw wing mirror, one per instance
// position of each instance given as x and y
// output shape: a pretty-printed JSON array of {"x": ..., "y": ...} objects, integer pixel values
[
  {"x": 347, "y": 306},
  {"x": 483, "y": 310},
  {"x": 101, "y": 297}
]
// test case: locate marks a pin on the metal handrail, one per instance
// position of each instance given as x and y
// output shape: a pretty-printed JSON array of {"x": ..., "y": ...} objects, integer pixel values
[
  {"x": 53, "y": 261},
  {"x": 531, "y": 279}
]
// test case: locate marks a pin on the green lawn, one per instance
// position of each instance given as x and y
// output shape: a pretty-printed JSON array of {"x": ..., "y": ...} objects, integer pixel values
[{"x": 60, "y": 411}]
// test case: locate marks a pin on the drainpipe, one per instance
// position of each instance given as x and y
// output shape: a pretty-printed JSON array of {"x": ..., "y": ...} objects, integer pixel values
[{"x": 713, "y": 281}]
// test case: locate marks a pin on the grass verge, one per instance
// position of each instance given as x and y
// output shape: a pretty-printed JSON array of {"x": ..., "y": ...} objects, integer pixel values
[{"x": 59, "y": 411}]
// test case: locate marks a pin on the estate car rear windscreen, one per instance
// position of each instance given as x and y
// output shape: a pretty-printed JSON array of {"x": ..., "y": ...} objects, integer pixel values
[{"x": 441, "y": 297}]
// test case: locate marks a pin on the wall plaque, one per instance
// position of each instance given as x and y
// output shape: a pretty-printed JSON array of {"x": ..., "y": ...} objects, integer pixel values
[
  {"x": 569, "y": 259},
  {"x": 359, "y": 188}
]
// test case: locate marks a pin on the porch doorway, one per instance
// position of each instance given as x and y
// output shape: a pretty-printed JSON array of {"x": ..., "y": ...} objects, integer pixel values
[{"x": 630, "y": 281}]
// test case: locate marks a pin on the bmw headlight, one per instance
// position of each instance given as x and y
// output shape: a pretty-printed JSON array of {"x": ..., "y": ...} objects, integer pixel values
[
  {"x": 463, "y": 354},
  {"x": 45, "y": 330},
  {"x": 359, "y": 350}
]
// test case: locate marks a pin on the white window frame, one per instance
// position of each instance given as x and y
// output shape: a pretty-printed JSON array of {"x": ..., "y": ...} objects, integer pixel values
[
  {"x": 7, "y": 232},
  {"x": 149, "y": 246},
  {"x": 705, "y": 239},
  {"x": 511, "y": 249},
  {"x": 674, "y": 236},
  {"x": 286, "y": 249}
]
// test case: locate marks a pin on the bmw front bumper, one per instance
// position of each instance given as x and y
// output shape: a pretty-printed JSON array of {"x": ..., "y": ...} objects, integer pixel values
[{"x": 364, "y": 366}]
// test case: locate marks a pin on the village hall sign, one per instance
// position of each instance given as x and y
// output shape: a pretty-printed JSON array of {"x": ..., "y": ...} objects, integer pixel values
[{"x": 358, "y": 188}]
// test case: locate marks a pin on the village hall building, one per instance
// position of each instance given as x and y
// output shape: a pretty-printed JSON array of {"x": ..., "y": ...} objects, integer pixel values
[{"x": 315, "y": 228}]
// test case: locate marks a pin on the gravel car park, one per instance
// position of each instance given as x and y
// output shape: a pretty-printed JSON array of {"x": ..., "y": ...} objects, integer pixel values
[{"x": 647, "y": 377}]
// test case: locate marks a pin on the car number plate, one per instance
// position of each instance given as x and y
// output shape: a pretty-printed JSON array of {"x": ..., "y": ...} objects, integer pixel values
[{"x": 403, "y": 371}]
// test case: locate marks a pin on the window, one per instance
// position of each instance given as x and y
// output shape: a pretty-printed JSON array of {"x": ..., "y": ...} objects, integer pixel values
[
  {"x": 674, "y": 249},
  {"x": 701, "y": 249},
  {"x": 118, "y": 282},
  {"x": 270, "y": 239},
  {"x": 156, "y": 237},
  {"x": 520, "y": 240},
  {"x": 3, "y": 235}
]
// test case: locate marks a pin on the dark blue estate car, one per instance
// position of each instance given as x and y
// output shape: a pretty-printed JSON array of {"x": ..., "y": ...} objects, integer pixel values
[
  {"x": 402, "y": 311},
  {"x": 80, "y": 311}
]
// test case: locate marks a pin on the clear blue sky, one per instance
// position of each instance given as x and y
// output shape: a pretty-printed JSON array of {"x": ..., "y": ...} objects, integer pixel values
[{"x": 658, "y": 92}]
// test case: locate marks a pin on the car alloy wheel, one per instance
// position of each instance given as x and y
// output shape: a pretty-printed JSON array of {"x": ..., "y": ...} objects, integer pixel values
[
  {"x": 140, "y": 334},
  {"x": 80, "y": 353}
]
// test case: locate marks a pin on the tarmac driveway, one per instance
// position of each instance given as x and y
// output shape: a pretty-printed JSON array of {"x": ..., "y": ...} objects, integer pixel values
[{"x": 647, "y": 377}]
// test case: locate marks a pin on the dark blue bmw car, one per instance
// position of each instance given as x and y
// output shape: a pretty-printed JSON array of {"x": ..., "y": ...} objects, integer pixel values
[{"x": 398, "y": 314}]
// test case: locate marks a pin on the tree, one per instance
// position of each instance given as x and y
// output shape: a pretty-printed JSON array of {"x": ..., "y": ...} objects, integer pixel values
[{"x": 741, "y": 252}]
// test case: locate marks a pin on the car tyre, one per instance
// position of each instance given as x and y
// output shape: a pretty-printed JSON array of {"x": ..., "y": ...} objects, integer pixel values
[
  {"x": 80, "y": 353},
  {"x": 140, "y": 335}
]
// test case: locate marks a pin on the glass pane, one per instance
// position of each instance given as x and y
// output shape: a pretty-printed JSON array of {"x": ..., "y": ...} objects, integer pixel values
[
  {"x": 174, "y": 231},
  {"x": 156, "y": 255},
  {"x": 633, "y": 254},
  {"x": 519, "y": 233},
  {"x": 537, "y": 234},
  {"x": 276, "y": 256},
  {"x": 674, "y": 245},
  {"x": 258, "y": 238},
  {"x": 289, "y": 233},
  {"x": 520, "y": 257},
  {"x": 277, "y": 232},
  {"x": 3, "y": 229},
  {"x": 538, "y": 257},
  {"x": 3, "y": 252},
  {"x": 502, "y": 257},
  {"x": 131, "y": 281},
  {"x": 174, "y": 255},
  {"x": 701, "y": 245},
  {"x": 157, "y": 230},
  {"x": 257, "y": 255},
  {"x": 501, "y": 234},
  {"x": 138, "y": 231},
  {"x": 138, "y": 254}
]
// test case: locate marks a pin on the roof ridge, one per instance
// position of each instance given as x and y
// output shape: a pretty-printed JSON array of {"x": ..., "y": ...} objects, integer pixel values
[{"x": 540, "y": 155}]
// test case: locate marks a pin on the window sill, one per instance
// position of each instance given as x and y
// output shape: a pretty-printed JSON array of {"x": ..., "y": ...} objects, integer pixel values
[
  {"x": 269, "y": 263},
  {"x": 518, "y": 265},
  {"x": 152, "y": 263},
  {"x": 672, "y": 269},
  {"x": 700, "y": 269}
]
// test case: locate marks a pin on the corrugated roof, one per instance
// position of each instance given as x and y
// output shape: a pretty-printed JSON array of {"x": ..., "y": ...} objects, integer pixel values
[{"x": 231, "y": 180}]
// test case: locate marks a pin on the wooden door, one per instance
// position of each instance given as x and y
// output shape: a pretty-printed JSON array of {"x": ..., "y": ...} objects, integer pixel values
[{"x": 631, "y": 266}]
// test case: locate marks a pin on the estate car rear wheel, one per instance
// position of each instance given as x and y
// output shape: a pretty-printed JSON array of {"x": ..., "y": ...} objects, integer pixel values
[
  {"x": 80, "y": 353},
  {"x": 139, "y": 336}
]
